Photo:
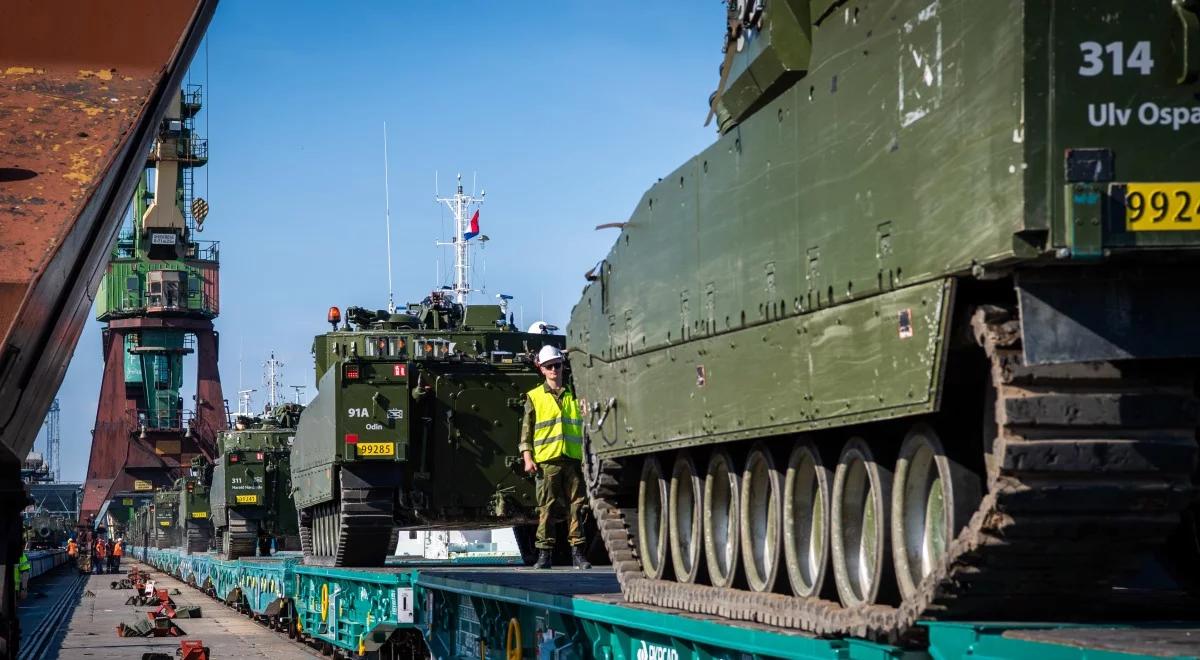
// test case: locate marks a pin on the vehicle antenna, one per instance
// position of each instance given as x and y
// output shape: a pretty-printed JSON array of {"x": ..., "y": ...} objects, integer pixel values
[{"x": 387, "y": 214}]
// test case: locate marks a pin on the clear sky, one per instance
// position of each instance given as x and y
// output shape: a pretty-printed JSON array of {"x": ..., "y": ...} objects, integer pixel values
[{"x": 566, "y": 112}]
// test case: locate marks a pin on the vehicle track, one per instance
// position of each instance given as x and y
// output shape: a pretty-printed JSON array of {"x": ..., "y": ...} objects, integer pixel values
[{"x": 1090, "y": 467}]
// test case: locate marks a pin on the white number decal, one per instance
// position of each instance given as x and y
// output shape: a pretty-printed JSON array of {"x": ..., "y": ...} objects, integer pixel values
[
  {"x": 1093, "y": 61},
  {"x": 1092, "y": 64},
  {"x": 358, "y": 412},
  {"x": 1140, "y": 58}
]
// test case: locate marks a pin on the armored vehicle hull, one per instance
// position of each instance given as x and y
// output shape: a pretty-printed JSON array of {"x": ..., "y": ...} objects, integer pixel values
[
  {"x": 906, "y": 341},
  {"x": 415, "y": 426},
  {"x": 251, "y": 497},
  {"x": 164, "y": 520},
  {"x": 196, "y": 527}
]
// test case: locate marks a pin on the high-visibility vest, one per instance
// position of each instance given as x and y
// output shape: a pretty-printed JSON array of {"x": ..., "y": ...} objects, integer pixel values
[
  {"x": 118, "y": 549},
  {"x": 71, "y": 548},
  {"x": 100, "y": 549},
  {"x": 558, "y": 430}
]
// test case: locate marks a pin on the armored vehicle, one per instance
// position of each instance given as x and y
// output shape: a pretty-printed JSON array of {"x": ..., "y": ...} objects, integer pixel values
[
  {"x": 44, "y": 531},
  {"x": 195, "y": 525},
  {"x": 914, "y": 338},
  {"x": 415, "y": 426},
  {"x": 164, "y": 520},
  {"x": 251, "y": 496}
]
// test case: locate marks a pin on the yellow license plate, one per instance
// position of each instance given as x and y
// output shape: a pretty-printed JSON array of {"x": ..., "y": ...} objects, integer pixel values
[
  {"x": 165, "y": 523},
  {"x": 199, "y": 514},
  {"x": 247, "y": 499},
  {"x": 376, "y": 449},
  {"x": 1162, "y": 207}
]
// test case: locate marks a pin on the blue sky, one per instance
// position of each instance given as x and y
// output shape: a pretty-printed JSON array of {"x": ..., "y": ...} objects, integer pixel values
[{"x": 566, "y": 111}]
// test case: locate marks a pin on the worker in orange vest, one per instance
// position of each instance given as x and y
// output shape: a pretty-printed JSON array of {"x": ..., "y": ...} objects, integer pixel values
[
  {"x": 100, "y": 556},
  {"x": 114, "y": 562},
  {"x": 72, "y": 549}
]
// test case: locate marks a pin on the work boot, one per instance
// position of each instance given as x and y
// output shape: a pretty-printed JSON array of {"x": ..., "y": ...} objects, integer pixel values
[
  {"x": 543, "y": 560},
  {"x": 577, "y": 558}
]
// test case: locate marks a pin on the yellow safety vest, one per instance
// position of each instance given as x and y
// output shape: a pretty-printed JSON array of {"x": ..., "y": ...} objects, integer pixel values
[{"x": 558, "y": 431}]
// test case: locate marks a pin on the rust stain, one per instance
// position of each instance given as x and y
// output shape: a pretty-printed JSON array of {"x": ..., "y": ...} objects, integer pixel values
[{"x": 102, "y": 74}]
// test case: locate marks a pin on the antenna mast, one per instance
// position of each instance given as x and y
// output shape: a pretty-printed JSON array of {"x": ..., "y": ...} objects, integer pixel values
[
  {"x": 273, "y": 379},
  {"x": 387, "y": 214},
  {"x": 54, "y": 442},
  {"x": 460, "y": 205}
]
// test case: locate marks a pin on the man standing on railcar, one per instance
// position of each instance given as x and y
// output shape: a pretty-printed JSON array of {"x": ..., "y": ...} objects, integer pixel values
[{"x": 552, "y": 444}]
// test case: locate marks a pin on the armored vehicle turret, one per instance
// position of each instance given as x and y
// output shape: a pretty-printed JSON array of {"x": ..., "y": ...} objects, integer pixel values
[
  {"x": 251, "y": 495},
  {"x": 164, "y": 519},
  {"x": 415, "y": 426},
  {"x": 915, "y": 337},
  {"x": 44, "y": 531},
  {"x": 195, "y": 524}
]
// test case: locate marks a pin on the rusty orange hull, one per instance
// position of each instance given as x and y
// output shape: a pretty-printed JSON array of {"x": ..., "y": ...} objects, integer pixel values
[{"x": 83, "y": 86}]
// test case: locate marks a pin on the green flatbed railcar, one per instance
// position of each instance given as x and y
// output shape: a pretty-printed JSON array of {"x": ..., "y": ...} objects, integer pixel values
[{"x": 915, "y": 337}]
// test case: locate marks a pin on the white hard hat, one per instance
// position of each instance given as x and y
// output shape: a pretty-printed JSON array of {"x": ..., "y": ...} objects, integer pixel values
[{"x": 549, "y": 354}]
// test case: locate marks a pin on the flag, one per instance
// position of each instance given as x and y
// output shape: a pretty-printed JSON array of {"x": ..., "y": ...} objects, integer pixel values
[{"x": 474, "y": 229}]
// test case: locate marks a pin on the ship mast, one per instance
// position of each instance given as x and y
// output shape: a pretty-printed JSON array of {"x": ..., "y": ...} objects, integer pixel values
[{"x": 460, "y": 206}]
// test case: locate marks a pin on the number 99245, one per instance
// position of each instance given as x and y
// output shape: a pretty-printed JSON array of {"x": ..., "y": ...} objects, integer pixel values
[{"x": 1162, "y": 207}]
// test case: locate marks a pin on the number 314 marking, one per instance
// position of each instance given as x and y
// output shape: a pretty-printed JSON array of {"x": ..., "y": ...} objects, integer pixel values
[{"x": 1093, "y": 58}]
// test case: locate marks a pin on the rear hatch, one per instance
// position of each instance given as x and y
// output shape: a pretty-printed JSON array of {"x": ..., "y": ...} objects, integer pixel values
[{"x": 1117, "y": 80}]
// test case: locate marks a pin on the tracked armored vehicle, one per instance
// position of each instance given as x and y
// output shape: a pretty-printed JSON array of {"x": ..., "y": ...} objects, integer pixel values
[
  {"x": 164, "y": 520},
  {"x": 928, "y": 348},
  {"x": 44, "y": 531},
  {"x": 195, "y": 526},
  {"x": 251, "y": 497},
  {"x": 415, "y": 426}
]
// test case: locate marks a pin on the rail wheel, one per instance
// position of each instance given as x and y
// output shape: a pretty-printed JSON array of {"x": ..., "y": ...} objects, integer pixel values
[
  {"x": 760, "y": 508},
  {"x": 932, "y": 498},
  {"x": 721, "y": 520},
  {"x": 685, "y": 519},
  {"x": 861, "y": 504},
  {"x": 652, "y": 518},
  {"x": 806, "y": 519}
]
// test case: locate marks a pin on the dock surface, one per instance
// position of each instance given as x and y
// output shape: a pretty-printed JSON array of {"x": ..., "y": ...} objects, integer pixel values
[{"x": 89, "y": 630}]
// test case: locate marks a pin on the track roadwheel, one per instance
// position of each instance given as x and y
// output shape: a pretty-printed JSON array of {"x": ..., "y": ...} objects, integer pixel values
[
  {"x": 760, "y": 507},
  {"x": 721, "y": 520},
  {"x": 806, "y": 520},
  {"x": 684, "y": 516},
  {"x": 932, "y": 498},
  {"x": 652, "y": 518},
  {"x": 861, "y": 504}
]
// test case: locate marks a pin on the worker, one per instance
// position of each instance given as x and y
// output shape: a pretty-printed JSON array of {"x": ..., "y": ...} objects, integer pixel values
[
  {"x": 21, "y": 573},
  {"x": 100, "y": 556},
  {"x": 552, "y": 447},
  {"x": 114, "y": 561},
  {"x": 72, "y": 549}
]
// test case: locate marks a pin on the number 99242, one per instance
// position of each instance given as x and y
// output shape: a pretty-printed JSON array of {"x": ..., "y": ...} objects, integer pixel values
[{"x": 1162, "y": 207}]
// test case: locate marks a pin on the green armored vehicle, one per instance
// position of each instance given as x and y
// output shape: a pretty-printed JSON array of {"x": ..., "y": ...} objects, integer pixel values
[
  {"x": 195, "y": 524},
  {"x": 252, "y": 505},
  {"x": 415, "y": 426},
  {"x": 164, "y": 520},
  {"x": 916, "y": 336}
]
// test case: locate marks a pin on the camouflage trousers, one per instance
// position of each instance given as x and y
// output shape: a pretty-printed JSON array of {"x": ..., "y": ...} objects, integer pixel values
[{"x": 560, "y": 495}]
